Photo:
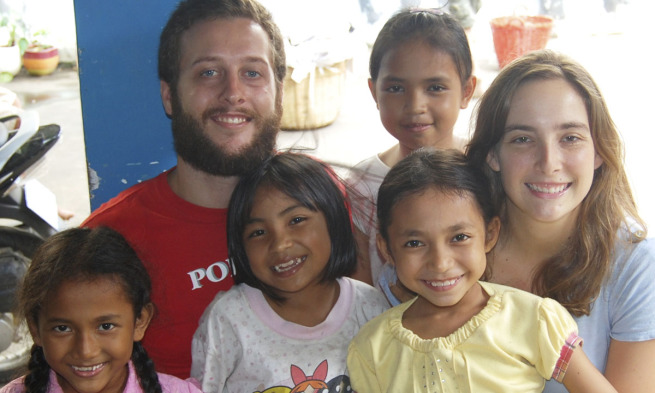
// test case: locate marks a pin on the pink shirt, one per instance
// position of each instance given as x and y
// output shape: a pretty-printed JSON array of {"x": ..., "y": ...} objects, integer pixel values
[{"x": 169, "y": 384}]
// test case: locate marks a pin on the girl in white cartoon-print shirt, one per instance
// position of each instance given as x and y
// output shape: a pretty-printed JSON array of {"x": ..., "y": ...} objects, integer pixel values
[{"x": 286, "y": 326}]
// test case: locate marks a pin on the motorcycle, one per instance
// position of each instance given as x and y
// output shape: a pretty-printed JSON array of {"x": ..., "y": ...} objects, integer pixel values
[{"x": 28, "y": 215}]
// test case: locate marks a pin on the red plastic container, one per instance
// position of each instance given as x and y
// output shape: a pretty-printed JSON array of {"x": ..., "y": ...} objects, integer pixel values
[{"x": 515, "y": 36}]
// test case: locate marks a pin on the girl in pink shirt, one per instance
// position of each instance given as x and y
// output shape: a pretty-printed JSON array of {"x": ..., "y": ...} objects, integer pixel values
[{"x": 86, "y": 301}]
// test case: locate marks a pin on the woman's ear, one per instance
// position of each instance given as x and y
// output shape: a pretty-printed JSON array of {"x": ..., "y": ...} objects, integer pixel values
[
  {"x": 598, "y": 161},
  {"x": 492, "y": 160},
  {"x": 143, "y": 320},
  {"x": 493, "y": 231},
  {"x": 384, "y": 249}
]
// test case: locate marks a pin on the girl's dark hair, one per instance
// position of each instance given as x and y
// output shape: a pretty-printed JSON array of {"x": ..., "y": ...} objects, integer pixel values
[
  {"x": 447, "y": 171},
  {"x": 576, "y": 273},
  {"x": 315, "y": 186},
  {"x": 438, "y": 29},
  {"x": 83, "y": 254}
]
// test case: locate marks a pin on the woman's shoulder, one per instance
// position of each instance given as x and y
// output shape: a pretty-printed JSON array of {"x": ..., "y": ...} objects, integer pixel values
[
  {"x": 631, "y": 237},
  {"x": 633, "y": 256},
  {"x": 628, "y": 239},
  {"x": 632, "y": 270},
  {"x": 626, "y": 302}
]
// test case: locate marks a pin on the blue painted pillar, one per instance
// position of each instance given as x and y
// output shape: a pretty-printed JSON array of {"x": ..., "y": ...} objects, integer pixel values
[{"x": 127, "y": 134}]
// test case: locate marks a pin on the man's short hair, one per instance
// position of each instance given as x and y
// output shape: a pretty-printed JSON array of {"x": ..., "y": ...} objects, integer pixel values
[{"x": 190, "y": 12}]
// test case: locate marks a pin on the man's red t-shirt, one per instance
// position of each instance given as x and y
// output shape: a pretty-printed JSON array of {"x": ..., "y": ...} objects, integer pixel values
[{"x": 184, "y": 248}]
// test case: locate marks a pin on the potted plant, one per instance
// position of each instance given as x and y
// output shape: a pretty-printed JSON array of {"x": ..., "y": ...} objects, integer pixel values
[
  {"x": 40, "y": 57},
  {"x": 12, "y": 45}
]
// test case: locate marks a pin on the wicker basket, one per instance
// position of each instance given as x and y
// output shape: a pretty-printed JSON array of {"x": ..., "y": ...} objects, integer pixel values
[
  {"x": 315, "y": 101},
  {"x": 515, "y": 36}
]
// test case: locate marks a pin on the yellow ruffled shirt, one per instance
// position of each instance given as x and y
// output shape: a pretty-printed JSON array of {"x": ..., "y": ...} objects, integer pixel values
[{"x": 513, "y": 345}]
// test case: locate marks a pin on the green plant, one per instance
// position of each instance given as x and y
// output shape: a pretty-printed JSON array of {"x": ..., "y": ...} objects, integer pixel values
[
  {"x": 40, "y": 41},
  {"x": 6, "y": 77},
  {"x": 13, "y": 32}
]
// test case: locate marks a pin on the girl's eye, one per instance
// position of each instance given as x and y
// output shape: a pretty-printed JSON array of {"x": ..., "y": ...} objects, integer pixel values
[
  {"x": 297, "y": 220},
  {"x": 394, "y": 89},
  {"x": 460, "y": 237},
  {"x": 256, "y": 233},
  {"x": 61, "y": 329},
  {"x": 436, "y": 88},
  {"x": 106, "y": 326},
  {"x": 413, "y": 243}
]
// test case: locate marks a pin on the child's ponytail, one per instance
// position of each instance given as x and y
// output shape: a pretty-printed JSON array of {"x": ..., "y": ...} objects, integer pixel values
[
  {"x": 38, "y": 372},
  {"x": 145, "y": 369}
]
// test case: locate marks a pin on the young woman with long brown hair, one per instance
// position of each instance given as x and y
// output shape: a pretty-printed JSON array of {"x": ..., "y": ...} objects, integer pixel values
[{"x": 570, "y": 227}]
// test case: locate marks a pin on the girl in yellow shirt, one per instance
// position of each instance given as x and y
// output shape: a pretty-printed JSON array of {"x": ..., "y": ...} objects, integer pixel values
[{"x": 436, "y": 224}]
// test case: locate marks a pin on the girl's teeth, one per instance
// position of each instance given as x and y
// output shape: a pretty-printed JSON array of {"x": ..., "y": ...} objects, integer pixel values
[
  {"x": 287, "y": 265},
  {"x": 86, "y": 369},
  {"x": 442, "y": 283}
]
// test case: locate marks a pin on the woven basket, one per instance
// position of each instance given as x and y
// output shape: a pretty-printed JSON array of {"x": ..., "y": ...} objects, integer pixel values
[
  {"x": 315, "y": 101},
  {"x": 515, "y": 36}
]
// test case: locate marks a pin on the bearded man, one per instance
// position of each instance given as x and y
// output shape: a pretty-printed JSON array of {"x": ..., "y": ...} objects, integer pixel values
[{"x": 221, "y": 67}]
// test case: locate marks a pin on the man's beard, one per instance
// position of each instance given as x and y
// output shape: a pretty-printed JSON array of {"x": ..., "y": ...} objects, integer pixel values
[{"x": 199, "y": 151}]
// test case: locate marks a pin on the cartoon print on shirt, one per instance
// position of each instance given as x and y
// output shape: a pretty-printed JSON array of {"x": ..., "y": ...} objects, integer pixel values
[
  {"x": 314, "y": 383},
  {"x": 276, "y": 389},
  {"x": 340, "y": 384}
]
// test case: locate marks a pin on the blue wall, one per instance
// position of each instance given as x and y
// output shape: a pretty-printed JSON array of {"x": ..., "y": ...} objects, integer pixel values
[{"x": 127, "y": 133}]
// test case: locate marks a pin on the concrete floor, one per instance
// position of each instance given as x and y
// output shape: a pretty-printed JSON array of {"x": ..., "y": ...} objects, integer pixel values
[{"x": 613, "y": 49}]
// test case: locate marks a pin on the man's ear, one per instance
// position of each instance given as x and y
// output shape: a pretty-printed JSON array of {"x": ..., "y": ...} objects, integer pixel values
[
  {"x": 492, "y": 160},
  {"x": 166, "y": 97},
  {"x": 383, "y": 249},
  {"x": 371, "y": 87},
  {"x": 491, "y": 236},
  {"x": 143, "y": 320}
]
